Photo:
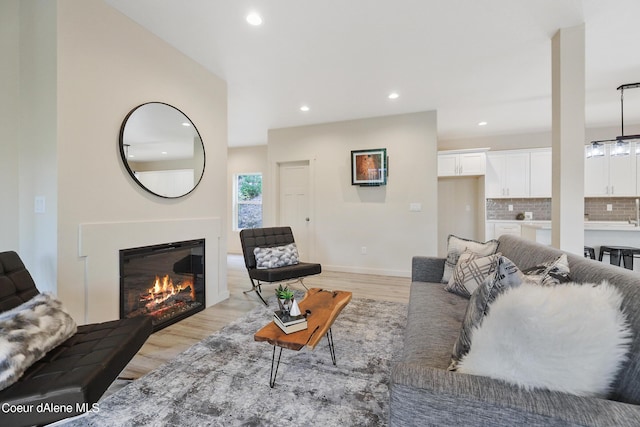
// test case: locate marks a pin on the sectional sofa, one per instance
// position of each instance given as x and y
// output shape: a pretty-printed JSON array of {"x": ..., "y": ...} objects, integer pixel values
[{"x": 424, "y": 392}]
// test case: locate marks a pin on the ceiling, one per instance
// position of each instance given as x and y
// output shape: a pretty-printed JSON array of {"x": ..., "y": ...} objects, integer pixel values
[{"x": 471, "y": 60}]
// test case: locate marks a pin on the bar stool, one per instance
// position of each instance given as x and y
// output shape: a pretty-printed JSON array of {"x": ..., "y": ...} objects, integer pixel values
[
  {"x": 589, "y": 252},
  {"x": 616, "y": 253},
  {"x": 628, "y": 255}
]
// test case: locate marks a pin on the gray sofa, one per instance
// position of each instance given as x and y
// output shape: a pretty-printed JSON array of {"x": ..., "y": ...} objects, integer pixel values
[{"x": 424, "y": 393}]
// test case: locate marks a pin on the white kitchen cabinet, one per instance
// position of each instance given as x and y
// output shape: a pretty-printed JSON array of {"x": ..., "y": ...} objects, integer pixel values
[
  {"x": 501, "y": 228},
  {"x": 540, "y": 173},
  {"x": 451, "y": 163},
  {"x": 507, "y": 175},
  {"x": 493, "y": 230},
  {"x": 610, "y": 170}
]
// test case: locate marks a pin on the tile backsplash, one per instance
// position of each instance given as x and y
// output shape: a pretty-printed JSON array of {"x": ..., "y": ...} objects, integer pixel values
[
  {"x": 595, "y": 208},
  {"x": 499, "y": 208}
]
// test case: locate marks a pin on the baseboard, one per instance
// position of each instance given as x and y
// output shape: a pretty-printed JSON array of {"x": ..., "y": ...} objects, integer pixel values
[{"x": 366, "y": 270}]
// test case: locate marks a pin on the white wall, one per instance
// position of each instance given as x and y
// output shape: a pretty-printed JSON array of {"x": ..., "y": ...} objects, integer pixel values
[
  {"x": 37, "y": 165},
  {"x": 9, "y": 124},
  {"x": 349, "y": 217},
  {"x": 531, "y": 140},
  {"x": 84, "y": 66},
  {"x": 460, "y": 209},
  {"x": 242, "y": 160}
]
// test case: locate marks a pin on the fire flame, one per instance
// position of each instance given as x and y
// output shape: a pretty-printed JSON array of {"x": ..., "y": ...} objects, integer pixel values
[{"x": 163, "y": 289}]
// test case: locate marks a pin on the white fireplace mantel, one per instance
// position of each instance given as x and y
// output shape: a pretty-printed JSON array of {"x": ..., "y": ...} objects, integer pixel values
[{"x": 100, "y": 244}]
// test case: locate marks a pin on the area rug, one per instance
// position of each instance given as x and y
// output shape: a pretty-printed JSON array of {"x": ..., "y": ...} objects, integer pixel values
[{"x": 224, "y": 379}]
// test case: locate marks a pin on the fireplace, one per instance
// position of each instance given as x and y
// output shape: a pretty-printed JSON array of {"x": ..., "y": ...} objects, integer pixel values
[{"x": 165, "y": 282}]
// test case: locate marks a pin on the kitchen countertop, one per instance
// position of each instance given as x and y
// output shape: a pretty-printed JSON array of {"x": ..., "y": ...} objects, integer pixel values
[{"x": 589, "y": 225}]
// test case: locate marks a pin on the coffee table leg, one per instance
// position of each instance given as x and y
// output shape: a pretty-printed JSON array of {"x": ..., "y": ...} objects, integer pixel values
[
  {"x": 332, "y": 349},
  {"x": 272, "y": 376}
]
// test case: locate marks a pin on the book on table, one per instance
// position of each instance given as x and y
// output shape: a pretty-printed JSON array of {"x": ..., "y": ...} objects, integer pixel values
[{"x": 290, "y": 324}]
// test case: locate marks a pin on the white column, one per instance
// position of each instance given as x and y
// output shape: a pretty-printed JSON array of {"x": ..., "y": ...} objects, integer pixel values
[{"x": 568, "y": 133}]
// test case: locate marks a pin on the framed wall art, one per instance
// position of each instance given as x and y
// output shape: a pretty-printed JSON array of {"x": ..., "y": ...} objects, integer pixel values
[{"x": 369, "y": 167}]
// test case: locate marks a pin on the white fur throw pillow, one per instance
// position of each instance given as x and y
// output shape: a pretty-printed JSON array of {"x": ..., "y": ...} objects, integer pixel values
[
  {"x": 28, "y": 332},
  {"x": 571, "y": 338}
]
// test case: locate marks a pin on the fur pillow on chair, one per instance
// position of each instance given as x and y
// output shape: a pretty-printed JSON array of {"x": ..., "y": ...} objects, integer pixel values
[
  {"x": 28, "y": 332},
  {"x": 571, "y": 338}
]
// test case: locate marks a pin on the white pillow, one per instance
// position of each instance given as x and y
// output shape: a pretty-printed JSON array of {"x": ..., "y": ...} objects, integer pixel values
[
  {"x": 471, "y": 271},
  {"x": 571, "y": 338},
  {"x": 457, "y": 245}
]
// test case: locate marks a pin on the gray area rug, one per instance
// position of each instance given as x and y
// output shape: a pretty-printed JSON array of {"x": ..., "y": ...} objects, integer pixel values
[{"x": 224, "y": 379}]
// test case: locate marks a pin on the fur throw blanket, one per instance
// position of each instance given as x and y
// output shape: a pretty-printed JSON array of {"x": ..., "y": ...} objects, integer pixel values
[{"x": 28, "y": 332}]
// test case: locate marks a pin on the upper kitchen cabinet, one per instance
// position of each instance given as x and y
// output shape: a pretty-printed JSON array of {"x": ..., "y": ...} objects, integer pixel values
[
  {"x": 540, "y": 173},
  {"x": 507, "y": 175},
  {"x": 461, "y": 163},
  {"x": 610, "y": 170}
]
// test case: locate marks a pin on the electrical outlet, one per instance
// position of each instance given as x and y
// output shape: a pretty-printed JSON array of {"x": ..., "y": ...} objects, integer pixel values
[
  {"x": 528, "y": 215},
  {"x": 510, "y": 208},
  {"x": 609, "y": 207}
]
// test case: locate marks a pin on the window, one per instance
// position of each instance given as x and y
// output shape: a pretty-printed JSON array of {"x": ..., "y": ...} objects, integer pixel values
[{"x": 248, "y": 201}]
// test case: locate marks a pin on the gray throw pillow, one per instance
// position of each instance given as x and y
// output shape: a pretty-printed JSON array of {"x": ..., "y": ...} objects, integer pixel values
[
  {"x": 277, "y": 256},
  {"x": 457, "y": 245},
  {"x": 506, "y": 276}
]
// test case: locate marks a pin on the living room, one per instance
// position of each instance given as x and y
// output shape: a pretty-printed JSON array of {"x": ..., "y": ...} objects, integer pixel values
[{"x": 74, "y": 69}]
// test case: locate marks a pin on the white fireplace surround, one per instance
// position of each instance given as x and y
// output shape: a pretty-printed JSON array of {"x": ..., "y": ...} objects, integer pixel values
[{"x": 100, "y": 244}]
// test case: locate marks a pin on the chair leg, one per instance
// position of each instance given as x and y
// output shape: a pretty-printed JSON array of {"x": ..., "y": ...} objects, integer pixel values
[{"x": 257, "y": 289}]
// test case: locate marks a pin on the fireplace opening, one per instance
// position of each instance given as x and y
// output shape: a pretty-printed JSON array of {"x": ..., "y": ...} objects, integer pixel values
[{"x": 165, "y": 282}]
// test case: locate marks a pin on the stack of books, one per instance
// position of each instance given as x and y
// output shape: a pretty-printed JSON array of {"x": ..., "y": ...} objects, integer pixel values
[{"x": 290, "y": 324}]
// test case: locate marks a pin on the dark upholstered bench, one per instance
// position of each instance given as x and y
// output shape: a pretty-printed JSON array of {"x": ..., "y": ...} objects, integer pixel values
[{"x": 73, "y": 375}]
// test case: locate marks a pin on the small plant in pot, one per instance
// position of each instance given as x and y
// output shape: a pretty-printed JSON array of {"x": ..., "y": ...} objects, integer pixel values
[{"x": 285, "y": 296}]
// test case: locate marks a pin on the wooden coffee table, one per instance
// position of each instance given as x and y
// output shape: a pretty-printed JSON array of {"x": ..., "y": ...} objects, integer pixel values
[{"x": 324, "y": 307}]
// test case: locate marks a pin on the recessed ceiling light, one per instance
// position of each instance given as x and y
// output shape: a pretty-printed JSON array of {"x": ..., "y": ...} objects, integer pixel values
[
  {"x": 254, "y": 19},
  {"x": 304, "y": 108},
  {"x": 164, "y": 152},
  {"x": 393, "y": 95},
  {"x": 482, "y": 124},
  {"x": 186, "y": 124}
]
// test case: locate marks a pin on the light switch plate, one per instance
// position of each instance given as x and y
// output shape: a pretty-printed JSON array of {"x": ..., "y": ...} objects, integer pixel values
[{"x": 39, "y": 205}]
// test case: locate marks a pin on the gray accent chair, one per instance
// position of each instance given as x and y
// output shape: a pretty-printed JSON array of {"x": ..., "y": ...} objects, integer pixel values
[{"x": 424, "y": 393}]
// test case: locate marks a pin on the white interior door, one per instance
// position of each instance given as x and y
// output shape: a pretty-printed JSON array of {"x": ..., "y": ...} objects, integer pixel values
[{"x": 294, "y": 209}]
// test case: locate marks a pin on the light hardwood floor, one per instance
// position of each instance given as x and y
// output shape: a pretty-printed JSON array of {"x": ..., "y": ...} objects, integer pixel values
[{"x": 166, "y": 344}]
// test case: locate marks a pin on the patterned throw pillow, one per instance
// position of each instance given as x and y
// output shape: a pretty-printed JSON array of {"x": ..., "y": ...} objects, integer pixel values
[
  {"x": 277, "y": 256},
  {"x": 549, "y": 273},
  {"x": 506, "y": 276},
  {"x": 471, "y": 271},
  {"x": 457, "y": 245}
]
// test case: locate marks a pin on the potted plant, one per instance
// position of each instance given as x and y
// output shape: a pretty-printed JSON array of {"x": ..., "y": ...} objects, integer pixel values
[{"x": 285, "y": 296}]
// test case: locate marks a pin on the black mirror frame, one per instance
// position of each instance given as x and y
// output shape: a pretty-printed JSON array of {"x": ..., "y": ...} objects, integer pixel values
[{"x": 123, "y": 155}]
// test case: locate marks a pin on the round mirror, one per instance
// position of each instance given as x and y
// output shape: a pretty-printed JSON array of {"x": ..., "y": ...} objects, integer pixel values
[{"x": 162, "y": 149}]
